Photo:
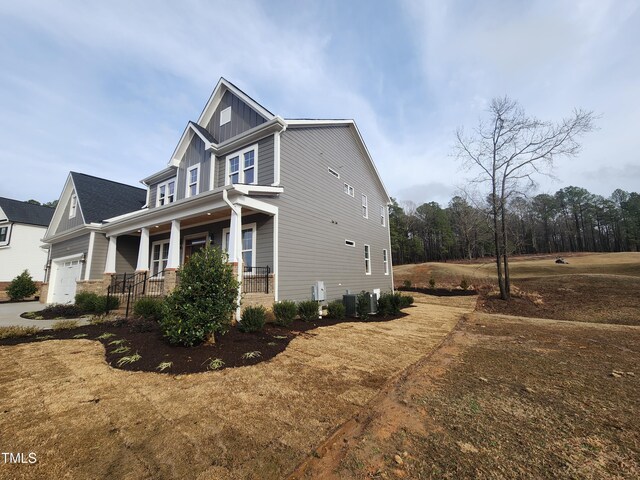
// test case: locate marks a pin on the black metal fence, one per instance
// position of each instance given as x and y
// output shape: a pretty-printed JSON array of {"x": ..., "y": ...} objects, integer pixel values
[
  {"x": 130, "y": 287},
  {"x": 256, "y": 279}
]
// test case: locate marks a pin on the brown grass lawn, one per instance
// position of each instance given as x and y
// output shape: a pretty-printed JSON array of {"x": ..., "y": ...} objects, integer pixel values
[{"x": 83, "y": 419}]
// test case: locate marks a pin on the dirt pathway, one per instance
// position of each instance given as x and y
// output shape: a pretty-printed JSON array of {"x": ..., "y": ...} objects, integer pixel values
[{"x": 83, "y": 419}]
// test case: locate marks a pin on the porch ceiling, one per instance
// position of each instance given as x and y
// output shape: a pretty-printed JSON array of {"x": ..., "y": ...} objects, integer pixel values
[{"x": 209, "y": 217}]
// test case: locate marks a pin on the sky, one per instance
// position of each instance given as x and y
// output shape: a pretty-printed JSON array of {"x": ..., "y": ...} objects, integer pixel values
[{"x": 107, "y": 88}]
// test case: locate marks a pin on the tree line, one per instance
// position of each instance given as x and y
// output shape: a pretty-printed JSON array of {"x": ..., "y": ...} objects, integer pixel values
[{"x": 571, "y": 220}]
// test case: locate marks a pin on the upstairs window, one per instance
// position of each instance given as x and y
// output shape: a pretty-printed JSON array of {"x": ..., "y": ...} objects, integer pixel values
[
  {"x": 385, "y": 261},
  {"x": 166, "y": 193},
  {"x": 242, "y": 167},
  {"x": 4, "y": 236},
  {"x": 73, "y": 206},
  {"x": 383, "y": 216},
  {"x": 367, "y": 260},
  {"x": 348, "y": 189},
  {"x": 193, "y": 176},
  {"x": 365, "y": 208}
]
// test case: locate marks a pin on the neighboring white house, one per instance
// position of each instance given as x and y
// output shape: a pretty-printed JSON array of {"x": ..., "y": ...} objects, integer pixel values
[{"x": 22, "y": 225}]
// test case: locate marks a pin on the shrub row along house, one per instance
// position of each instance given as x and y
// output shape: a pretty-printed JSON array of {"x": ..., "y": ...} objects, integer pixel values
[{"x": 293, "y": 202}]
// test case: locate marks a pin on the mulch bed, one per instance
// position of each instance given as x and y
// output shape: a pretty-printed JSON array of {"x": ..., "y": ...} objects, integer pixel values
[
  {"x": 145, "y": 338},
  {"x": 440, "y": 292}
]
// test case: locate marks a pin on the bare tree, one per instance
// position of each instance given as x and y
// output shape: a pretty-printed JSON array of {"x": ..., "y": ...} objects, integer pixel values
[{"x": 506, "y": 151}]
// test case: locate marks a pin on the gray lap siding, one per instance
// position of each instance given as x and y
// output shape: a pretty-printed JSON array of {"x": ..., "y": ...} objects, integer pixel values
[
  {"x": 316, "y": 216},
  {"x": 74, "y": 246}
]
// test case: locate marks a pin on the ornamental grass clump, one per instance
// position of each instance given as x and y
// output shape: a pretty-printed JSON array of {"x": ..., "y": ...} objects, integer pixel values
[{"x": 202, "y": 304}]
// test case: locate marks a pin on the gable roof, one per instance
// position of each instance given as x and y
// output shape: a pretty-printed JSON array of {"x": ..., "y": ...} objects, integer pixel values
[
  {"x": 27, "y": 213},
  {"x": 100, "y": 199}
]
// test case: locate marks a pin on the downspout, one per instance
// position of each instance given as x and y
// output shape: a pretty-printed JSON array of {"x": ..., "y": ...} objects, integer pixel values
[{"x": 234, "y": 208}]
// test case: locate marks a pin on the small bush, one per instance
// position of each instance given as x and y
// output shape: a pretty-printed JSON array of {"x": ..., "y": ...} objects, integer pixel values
[
  {"x": 61, "y": 310},
  {"x": 385, "y": 304},
  {"x": 22, "y": 286},
  {"x": 336, "y": 310},
  {"x": 65, "y": 324},
  {"x": 86, "y": 301},
  {"x": 285, "y": 312},
  {"x": 362, "y": 305},
  {"x": 406, "y": 301},
  {"x": 464, "y": 284},
  {"x": 149, "y": 308},
  {"x": 407, "y": 283},
  {"x": 141, "y": 325},
  {"x": 432, "y": 283},
  {"x": 253, "y": 319},
  {"x": 14, "y": 332},
  {"x": 308, "y": 310},
  {"x": 105, "y": 304}
]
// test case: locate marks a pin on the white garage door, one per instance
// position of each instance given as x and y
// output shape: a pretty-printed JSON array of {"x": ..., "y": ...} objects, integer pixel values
[{"x": 64, "y": 285}]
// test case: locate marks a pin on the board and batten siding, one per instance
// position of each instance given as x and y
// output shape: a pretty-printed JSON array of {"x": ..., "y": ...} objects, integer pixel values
[
  {"x": 243, "y": 118},
  {"x": 67, "y": 223},
  {"x": 265, "y": 163},
  {"x": 73, "y": 246},
  {"x": 194, "y": 155},
  {"x": 316, "y": 216}
]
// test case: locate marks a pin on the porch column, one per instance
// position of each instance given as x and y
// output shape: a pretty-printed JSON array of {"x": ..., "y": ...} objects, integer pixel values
[
  {"x": 110, "y": 266},
  {"x": 173, "y": 262},
  {"x": 143, "y": 251},
  {"x": 235, "y": 249}
]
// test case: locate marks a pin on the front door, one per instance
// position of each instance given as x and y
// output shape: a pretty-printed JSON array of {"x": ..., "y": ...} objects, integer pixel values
[{"x": 192, "y": 245}]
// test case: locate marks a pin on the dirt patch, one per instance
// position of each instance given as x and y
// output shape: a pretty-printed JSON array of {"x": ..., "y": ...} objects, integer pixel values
[
  {"x": 507, "y": 398},
  {"x": 584, "y": 298},
  {"x": 126, "y": 339}
]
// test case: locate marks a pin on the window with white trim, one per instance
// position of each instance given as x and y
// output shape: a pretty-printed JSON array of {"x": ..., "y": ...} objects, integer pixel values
[
  {"x": 350, "y": 243},
  {"x": 385, "y": 261},
  {"x": 4, "y": 235},
  {"x": 242, "y": 167},
  {"x": 367, "y": 260},
  {"x": 193, "y": 178},
  {"x": 166, "y": 192},
  {"x": 73, "y": 206},
  {"x": 365, "y": 208},
  {"x": 225, "y": 116},
  {"x": 248, "y": 244},
  {"x": 348, "y": 189},
  {"x": 333, "y": 172},
  {"x": 159, "y": 256},
  {"x": 383, "y": 216}
]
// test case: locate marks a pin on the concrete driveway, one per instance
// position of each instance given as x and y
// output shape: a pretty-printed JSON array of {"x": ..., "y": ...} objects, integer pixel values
[{"x": 10, "y": 315}]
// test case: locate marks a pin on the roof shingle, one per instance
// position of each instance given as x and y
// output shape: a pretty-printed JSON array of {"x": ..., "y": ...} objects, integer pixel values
[{"x": 28, "y": 213}]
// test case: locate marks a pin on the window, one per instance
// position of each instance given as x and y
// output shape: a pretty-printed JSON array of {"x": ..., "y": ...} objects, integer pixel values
[
  {"x": 4, "y": 235},
  {"x": 350, "y": 243},
  {"x": 166, "y": 193},
  {"x": 385, "y": 261},
  {"x": 225, "y": 116},
  {"x": 383, "y": 220},
  {"x": 348, "y": 189},
  {"x": 367, "y": 260},
  {"x": 193, "y": 175},
  {"x": 242, "y": 167},
  {"x": 365, "y": 208},
  {"x": 159, "y": 256},
  {"x": 73, "y": 206},
  {"x": 248, "y": 244},
  {"x": 333, "y": 172}
]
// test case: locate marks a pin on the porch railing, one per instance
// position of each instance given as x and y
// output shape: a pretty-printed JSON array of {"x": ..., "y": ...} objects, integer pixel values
[
  {"x": 130, "y": 287},
  {"x": 256, "y": 279}
]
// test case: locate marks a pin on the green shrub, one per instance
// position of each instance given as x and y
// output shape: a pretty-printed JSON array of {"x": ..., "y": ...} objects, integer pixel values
[
  {"x": 385, "y": 304},
  {"x": 432, "y": 282},
  {"x": 253, "y": 319},
  {"x": 406, "y": 301},
  {"x": 22, "y": 286},
  {"x": 336, "y": 310},
  {"x": 60, "y": 310},
  {"x": 105, "y": 304},
  {"x": 202, "y": 304},
  {"x": 150, "y": 308},
  {"x": 464, "y": 284},
  {"x": 407, "y": 283},
  {"x": 86, "y": 301},
  {"x": 362, "y": 305},
  {"x": 285, "y": 312},
  {"x": 308, "y": 310}
]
